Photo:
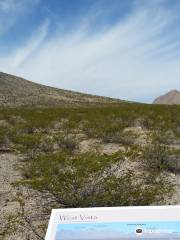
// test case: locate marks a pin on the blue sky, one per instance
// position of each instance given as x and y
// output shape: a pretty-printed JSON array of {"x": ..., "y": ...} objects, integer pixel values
[{"x": 127, "y": 49}]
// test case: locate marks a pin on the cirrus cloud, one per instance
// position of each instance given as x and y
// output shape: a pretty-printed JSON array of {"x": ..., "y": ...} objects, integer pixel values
[{"x": 135, "y": 58}]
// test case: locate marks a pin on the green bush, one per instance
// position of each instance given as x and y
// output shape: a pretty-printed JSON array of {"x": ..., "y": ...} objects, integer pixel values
[
  {"x": 5, "y": 136},
  {"x": 66, "y": 142},
  {"x": 155, "y": 157},
  {"x": 27, "y": 142},
  {"x": 164, "y": 137},
  {"x": 46, "y": 144},
  {"x": 91, "y": 180}
]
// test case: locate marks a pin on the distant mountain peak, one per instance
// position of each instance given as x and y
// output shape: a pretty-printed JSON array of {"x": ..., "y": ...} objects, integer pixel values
[
  {"x": 174, "y": 91},
  {"x": 170, "y": 98}
]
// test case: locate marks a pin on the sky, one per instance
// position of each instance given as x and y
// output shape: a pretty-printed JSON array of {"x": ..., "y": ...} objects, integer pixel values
[{"x": 127, "y": 49}]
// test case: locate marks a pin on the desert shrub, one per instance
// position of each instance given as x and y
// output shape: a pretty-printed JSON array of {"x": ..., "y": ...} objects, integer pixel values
[
  {"x": 31, "y": 128},
  {"x": 5, "y": 137},
  {"x": 133, "y": 152},
  {"x": 164, "y": 137},
  {"x": 46, "y": 144},
  {"x": 127, "y": 138},
  {"x": 155, "y": 157},
  {"x": 110, "y": 135},
  {"x": 15, "y": 120},
  {"x": 3, "y": 140},
  {"x": 144, "y": 123},
  {"x": 118, "y": 136},
  {"x": 109, "y": 132},
  {"x": 2, "y": 136},
  {"x": 95, "y": 119},
  {"x": 90, "y": 128},
  {"x": 66, "y": 142},
  {"x": 173, "y": 163},
  {"x": 89, "y": 180},
  {"x": 28, "y": 142}
]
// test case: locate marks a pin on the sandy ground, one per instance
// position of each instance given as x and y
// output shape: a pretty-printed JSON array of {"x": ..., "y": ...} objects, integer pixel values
[{"x": 10, "y": 198}]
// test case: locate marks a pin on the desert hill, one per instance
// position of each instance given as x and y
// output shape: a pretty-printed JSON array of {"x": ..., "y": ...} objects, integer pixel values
[
  {"x": 85, "y": 156},
  {"x": 16, "y": 91},
  {"x": 170, "y": 98}
]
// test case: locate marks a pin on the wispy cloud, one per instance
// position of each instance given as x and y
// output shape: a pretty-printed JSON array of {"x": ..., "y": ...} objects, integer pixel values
[
  {"x": 11, "y": 12},
  {"x": 136, "y": 58},
  {"x": 6, "y": 5},
  {"x": 16, "y": 5},
  {"x": 16, "y": 60}
]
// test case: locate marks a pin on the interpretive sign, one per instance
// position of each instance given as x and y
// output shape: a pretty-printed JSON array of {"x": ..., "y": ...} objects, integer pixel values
[{"x": 148, "y": 223}]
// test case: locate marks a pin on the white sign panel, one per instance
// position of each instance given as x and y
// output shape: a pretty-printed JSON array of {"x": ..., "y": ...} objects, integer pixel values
[{"x": 126, "y": 223}]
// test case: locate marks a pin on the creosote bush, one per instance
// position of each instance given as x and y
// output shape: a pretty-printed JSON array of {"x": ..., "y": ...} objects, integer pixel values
[
  {"x": 46, "y": 144},
  {"x": 155, "y": 157},
  {"x": 91, "y": 180},
  {"x": 2, "y": 136},
  {"x": 88, "y": 180},
  {"x": 67, "y": 143},
  {"x": 164, "y": 137},
  {"x": 27, "y": 142}
]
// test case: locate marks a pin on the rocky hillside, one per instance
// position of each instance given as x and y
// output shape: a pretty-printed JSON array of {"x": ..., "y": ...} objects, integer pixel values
[
  {"x": 170, "y": 98},
  {"x": 119, "y": 154},
  {"x": 15, "y": 91}
]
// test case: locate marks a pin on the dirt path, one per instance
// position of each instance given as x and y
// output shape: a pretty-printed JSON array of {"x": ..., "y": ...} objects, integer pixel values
[
  {"x": 30, "y": 226},
  {"x": 8, "y": 174}
]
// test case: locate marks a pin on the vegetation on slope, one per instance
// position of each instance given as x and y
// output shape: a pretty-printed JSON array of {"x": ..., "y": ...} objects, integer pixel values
[{"x": 51, "y": 143}]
